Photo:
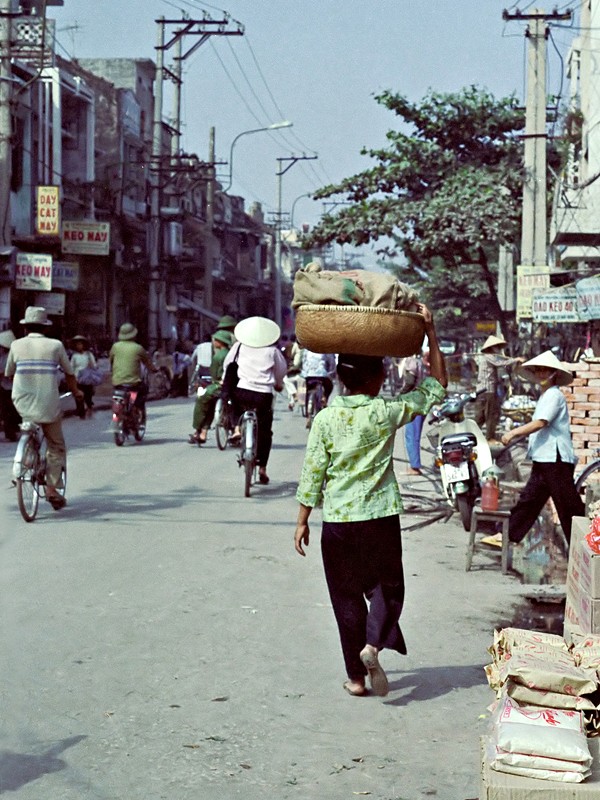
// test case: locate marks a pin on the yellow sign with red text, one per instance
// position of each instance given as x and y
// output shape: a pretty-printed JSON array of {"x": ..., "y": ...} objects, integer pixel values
[{"x": 48, "y": 211}]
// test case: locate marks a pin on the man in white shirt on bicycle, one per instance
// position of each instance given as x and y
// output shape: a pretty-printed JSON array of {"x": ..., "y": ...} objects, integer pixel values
[{"x": 34, "y": 362}]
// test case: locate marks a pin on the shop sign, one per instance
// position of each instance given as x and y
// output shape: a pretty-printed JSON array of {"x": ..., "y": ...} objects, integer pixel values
[
  {"x": 588, "y": 297},
  {"x": 86, "y": 238},
  {"x": 556, "y": 305},
  {"x": 65, "y": 275},
  {"x": 48, "y": 211},
  {"x": 528, "y": 279},
  {"x": 53, "y": 302},
  {"x": 485, "y": 326},
  {"x": 33, "y": 271}
]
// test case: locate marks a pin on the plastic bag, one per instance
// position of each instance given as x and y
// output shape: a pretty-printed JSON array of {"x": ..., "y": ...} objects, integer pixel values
[{"x": 593, "y": 537}]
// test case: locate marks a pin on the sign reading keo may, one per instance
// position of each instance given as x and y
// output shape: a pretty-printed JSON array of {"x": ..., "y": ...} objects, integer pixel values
[
  {"x": 48, "y": 211},
  {"x": 86, "y": 238},
  {"x": 33, "y": 271}
]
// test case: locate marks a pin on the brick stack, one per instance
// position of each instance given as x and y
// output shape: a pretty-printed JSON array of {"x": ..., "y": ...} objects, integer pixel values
[{"x": 583, "y": 401}]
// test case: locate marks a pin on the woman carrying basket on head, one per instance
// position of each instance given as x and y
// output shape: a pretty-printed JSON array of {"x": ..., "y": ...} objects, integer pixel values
[{"x": 349, "y": 468}]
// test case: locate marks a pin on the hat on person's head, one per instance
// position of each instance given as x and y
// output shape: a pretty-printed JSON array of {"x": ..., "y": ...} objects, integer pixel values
[
  {"x": 226, "y": 323},
  {"x": 257, "y": 332},
  {"x": 225, "y": 337},
  {"x": 492, "y": 341},
  {"x": 80, "y": 338},
  {"x": 547, "y": 359},
  {"x": 127, "y": 331},
  {"x": 35, "y": 315},
  {"x": 6, "y": 339}
]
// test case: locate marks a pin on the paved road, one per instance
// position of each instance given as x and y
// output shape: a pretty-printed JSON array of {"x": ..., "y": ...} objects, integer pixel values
[{"x": 160, "y": 638}]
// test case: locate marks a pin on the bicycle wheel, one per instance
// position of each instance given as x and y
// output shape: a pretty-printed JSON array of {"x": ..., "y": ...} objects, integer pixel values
[
  {"x": 139, "y": 430},
  {"x": 221, "y": 424},
  {"x": 310, "y": 408},
  {"x": 28, "y": 492},
  {"x": 591, "y": 474},
  {"x": 119, "y": 435},
  {"x": 248, "y": 451}
]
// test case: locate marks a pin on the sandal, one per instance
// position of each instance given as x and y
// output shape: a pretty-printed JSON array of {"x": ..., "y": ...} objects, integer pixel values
[{"x": 57, "y": 501}]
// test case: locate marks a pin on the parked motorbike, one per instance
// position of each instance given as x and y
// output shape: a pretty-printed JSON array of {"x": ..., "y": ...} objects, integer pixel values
[
  {"x": 462, "y": 454},
  {"x": 127, "y": 417}
]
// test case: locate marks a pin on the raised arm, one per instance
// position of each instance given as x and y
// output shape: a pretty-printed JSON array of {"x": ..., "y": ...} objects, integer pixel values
[{"x": 437, "y": 362}]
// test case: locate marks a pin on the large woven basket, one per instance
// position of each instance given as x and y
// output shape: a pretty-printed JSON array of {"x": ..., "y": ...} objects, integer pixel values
[{"x": 359, "y": 330}]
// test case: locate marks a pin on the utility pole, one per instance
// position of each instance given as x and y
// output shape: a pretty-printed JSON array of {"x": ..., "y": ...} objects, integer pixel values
[
  {"x": 280, "y": 173},
  {"x": 203, "y": 29},
  {"x": 5, "y": 120},
  {"x": 210, "y": 221},
  {"x": 534, "y": 235}
]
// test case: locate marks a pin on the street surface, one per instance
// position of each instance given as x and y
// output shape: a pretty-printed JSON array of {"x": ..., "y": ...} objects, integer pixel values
[{"x": 161, "y": 640}]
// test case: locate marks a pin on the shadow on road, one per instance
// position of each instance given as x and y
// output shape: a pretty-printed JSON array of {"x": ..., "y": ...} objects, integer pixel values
[
  {"x": 430, "y": 682},
  {"x": 18, "y": 769}
]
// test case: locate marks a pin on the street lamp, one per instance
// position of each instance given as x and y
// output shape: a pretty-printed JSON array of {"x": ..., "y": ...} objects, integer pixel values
[{"x": 275, "y": 126}]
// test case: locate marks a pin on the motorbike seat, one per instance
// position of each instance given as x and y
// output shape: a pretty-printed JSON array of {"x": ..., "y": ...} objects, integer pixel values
[{"x": 460, "y": 439}]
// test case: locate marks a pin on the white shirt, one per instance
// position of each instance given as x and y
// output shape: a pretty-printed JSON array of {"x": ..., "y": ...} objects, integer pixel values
[{"x": 260, "y": 369}]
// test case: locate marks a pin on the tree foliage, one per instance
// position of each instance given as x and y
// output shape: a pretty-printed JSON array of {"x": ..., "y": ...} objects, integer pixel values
[{"x": 446, "y": 191}]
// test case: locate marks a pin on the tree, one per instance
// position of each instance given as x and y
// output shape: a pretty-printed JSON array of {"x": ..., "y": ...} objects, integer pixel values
[{"x": 446, "y": 190}]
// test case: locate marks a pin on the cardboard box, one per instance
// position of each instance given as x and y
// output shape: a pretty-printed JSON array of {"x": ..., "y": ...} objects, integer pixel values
[
  {"x": 586, "y": 560},
  {"x": 502, "y": 786},
  {"x": 582, "y": 608}
]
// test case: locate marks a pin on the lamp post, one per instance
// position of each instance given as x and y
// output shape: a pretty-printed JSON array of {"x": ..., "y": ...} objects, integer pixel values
[
  {"x": 275, "y": 126},
  {"x": 281, "y": 170}
]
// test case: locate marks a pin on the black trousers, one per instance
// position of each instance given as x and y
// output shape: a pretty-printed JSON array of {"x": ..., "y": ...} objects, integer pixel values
[
  {"x": 553, "y": 480},
  {"x": 262, "y": 403},
  {"x": 363, "y": 562}
]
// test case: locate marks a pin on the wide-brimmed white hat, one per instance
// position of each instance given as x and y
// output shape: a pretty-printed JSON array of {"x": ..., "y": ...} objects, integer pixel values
[
  {"x": 127, "y": 331},
  {"x": 564, "y": 376},
  {"x": 492, "y": 341},
  {"x": 35, "y": 315},
  {"x": 6, "y": 339},
  {"x": 257, "y": 332}
]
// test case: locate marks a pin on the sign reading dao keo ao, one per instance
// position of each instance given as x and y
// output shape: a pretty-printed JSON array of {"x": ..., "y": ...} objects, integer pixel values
[
  {"x": 86, "y": 238},
  {"x": 33, "y": 271}
]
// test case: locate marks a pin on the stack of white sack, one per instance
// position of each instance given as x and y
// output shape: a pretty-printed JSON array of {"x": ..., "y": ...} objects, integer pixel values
[
  {"x": 537, "y": 669},
  {"x": 542, "y": 743}
]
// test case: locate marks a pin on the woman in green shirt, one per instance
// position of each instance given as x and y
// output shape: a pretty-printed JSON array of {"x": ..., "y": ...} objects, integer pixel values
[{"x": 348, "y": 467}]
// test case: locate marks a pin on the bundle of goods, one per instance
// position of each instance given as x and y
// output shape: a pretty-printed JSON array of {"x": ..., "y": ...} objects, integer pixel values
[
  {"x": 543, "y": 743},
  {"x": 359, "y": 312},
  {"x": 541, "y": 682}
]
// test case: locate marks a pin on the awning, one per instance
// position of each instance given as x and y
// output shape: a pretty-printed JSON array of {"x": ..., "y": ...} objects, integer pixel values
[{"x": 185, "y": 302}]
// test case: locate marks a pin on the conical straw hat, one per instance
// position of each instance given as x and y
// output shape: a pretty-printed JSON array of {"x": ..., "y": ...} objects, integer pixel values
[
  {"x": 492, "y": 341},
  {"x": 257, "y": 332},
  {"x": 546, "y": 359}
]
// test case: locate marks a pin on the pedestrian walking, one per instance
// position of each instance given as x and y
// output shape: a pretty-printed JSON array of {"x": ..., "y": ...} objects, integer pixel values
[
  {"x": 550, "y": 448},
  {"x": 488, "y": 404},
  {"x": 348, "y": 467},
  {"x": 11, "y": 419},
  {"x": 414, "y": 370}
]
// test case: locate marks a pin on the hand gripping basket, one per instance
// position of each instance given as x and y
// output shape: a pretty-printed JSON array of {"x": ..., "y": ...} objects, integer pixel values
[{"x": 360, "y": 330}]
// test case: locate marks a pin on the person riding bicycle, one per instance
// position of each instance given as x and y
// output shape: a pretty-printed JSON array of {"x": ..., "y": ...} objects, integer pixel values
[
  {"x": 261, "y": 369},
  {"x": 34, "y": 361},
  {"x": 317, "y": 368},
  {"x": 204, "y": 407},
  {"x": 127, "y": 358}
]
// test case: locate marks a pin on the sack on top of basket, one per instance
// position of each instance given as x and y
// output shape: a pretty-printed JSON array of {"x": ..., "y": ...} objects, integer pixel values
[{"x": 357, "y": 287}]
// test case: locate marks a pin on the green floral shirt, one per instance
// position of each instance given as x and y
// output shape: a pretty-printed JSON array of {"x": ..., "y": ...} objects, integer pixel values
[{"x": 348, "y": 464}]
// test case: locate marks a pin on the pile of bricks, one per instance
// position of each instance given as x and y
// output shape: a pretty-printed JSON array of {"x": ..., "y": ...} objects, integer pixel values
[{"x": 583, "y": 401}]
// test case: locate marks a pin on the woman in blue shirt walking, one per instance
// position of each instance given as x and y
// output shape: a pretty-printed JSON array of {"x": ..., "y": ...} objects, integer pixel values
[
  {"x": 550, "y": 449},
  {"x": 348, "y": 467}
]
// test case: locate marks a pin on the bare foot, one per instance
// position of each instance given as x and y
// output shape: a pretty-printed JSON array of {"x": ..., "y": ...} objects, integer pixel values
[{"x": 355, "y": 688}]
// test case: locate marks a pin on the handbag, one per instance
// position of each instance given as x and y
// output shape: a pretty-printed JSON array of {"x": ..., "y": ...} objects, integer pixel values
[
  {"x": 90, "y": 376},
  {"x": 230, "y": 378}
]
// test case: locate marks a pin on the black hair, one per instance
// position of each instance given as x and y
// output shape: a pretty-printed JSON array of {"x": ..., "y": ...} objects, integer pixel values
[
  {"x": 35, "y": 327},
  {"x": 356, "y": 372}
]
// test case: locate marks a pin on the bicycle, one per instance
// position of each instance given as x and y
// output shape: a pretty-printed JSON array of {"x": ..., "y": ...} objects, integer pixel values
[
  {"x": 29, "y": 470},
  {"x": 583, "y": 479},
  {"x": 224, "y": 424},
  {"x": 127, "y": 417},
  {"x": 315, "y": 399},
  {"x": 247, "y": 457}
]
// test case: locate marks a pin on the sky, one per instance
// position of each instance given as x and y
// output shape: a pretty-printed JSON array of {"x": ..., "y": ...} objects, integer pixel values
[{"x": 318, "y": 64}]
